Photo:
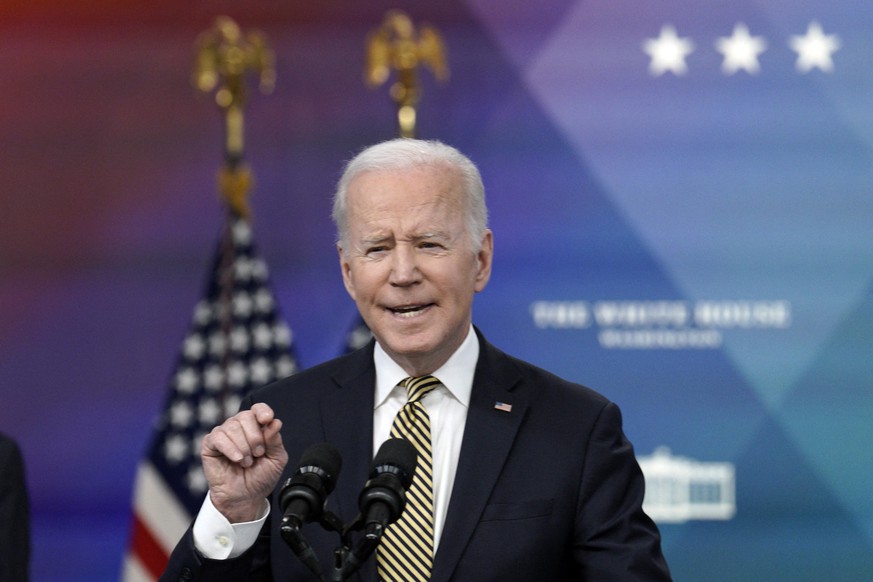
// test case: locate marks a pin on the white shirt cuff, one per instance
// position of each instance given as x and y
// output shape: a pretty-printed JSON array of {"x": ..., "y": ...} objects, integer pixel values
[{"x": 218, "y": 539}]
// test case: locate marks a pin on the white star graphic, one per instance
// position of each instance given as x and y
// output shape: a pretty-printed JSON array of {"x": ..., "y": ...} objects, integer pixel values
[
  {"x": 740, "y": 50},
  {"x": 815, "y": 49},
  {"x": 668, "y": 52}
]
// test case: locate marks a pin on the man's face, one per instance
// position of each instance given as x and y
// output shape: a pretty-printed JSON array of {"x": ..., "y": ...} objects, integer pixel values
[{"x": 409, "y": 262}]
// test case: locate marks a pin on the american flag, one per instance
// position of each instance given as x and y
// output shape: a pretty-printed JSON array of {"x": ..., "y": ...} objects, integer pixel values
[
  {"x": 237, "y": 342},
  {"x": 357, "y": 336}
]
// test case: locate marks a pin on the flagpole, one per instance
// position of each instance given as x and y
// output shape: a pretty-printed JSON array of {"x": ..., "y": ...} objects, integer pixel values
[
  {"x": 396, "y": 45},
  {"x": 225, "y": 55}
]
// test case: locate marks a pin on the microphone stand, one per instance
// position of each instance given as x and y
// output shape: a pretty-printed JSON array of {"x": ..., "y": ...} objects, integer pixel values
[{"x": 347, "y": 559}]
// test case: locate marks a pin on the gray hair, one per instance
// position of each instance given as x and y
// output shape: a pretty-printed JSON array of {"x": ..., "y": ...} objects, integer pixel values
[{"x": 403, "y": 153}]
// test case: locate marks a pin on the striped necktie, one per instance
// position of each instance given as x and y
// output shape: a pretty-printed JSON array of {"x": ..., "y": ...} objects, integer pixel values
[{"x": 406, "y": 550}]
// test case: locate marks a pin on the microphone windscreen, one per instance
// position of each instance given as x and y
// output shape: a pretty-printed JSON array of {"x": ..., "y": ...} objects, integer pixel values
[
  {"x": 399, "y": 453},
  {"x": 325, "y": 457}
]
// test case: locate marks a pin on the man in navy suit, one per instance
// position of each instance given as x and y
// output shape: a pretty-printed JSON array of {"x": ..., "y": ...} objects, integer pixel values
[
  {"x": 533, "y": 478},
  {"x": 14, "y": 514}
]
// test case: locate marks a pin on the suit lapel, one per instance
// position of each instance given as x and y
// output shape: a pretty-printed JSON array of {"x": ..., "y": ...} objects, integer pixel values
[
  {"x": 347, "y": 413},
  {"x": 488, "y": 438}
]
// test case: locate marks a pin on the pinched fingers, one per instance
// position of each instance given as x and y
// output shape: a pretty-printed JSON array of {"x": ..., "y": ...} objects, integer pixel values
[{"x": 241, "y": 438}]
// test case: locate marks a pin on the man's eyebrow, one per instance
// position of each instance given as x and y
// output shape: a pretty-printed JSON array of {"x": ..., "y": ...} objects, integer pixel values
[
  {"x": 375, "y": 239},
  {"x": 432, "y": 234}
]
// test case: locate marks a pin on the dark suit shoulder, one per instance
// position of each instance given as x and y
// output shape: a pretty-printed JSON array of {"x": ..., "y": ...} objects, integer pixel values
[
  {"x": 538, "y": 383},
  {"x": 312, "y": 380}
]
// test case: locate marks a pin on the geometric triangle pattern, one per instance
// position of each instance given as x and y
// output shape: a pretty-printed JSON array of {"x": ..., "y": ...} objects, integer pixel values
[{"x": 734, "y": 194}]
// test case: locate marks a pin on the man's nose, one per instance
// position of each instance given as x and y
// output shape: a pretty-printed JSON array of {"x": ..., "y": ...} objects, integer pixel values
[{"x": 404, "y": 266}]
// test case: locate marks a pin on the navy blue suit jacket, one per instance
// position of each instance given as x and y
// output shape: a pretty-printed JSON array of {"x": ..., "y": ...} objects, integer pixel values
[{"x": 547, "y": 491}]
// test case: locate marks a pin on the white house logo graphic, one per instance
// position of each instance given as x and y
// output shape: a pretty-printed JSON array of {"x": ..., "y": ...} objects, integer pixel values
[{"x": 679, "y": 489}]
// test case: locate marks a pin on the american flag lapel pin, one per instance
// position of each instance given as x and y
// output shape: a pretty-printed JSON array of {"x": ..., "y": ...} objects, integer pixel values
[{"x": 502, "y": 406}]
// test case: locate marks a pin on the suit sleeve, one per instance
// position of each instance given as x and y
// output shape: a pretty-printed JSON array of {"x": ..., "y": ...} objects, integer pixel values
[
  {"x": 615, "y": 539},
  {"x": 187, "y": 564}
]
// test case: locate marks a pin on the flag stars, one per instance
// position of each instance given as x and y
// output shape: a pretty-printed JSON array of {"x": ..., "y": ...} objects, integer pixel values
[
  {"x": 187, "y": 380},
  {"x": 285, "y": 366},
  {"x": 264, "y": 301},
  {"x": 209, "y": 412},
  {"x": 176, "y": 449},
  {"x": 203, "y": 312},
  {"x": 262, "y": 336},
  {"x": 261, "y": 371},
  {"x": 196, "y": 480},
  {"x": 231, "y": 405},
  {"x": 213, "y": 377},
  {"x": 668, "y": 52},
  {"x": 243, "y": 269},
  {"x": 741, "y": 51},
  {"x": 239, "y": 340},
  {"x": 814, "y": 49},
  {"x": 237, "y": 374},
  {"x": 181, "y": 414},
  {"x": 217, "y": 344},
  {"x": 242, "y": 233},
  {"x": 282, "y": 335},
  {"x": 194, "y": 347},
  {"x": 242, "y": 304}
]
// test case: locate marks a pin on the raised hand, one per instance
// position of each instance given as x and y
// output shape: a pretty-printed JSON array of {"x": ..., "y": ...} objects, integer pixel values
[{"x": 243, "y": 459}]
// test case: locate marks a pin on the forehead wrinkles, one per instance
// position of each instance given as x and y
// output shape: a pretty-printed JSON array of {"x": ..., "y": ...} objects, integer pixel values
[{"x": 376, "y": 215}]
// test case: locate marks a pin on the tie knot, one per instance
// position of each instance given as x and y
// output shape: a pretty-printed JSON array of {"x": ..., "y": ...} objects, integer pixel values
[{"x": 417, "y": 388}]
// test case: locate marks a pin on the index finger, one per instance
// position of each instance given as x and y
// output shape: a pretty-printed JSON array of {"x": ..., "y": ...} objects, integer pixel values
[{"x": 263, "y": 413}]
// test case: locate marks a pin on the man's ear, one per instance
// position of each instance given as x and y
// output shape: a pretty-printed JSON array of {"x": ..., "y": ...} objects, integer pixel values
[
  {"x": 484, "y": 258},
  {"x": 346, "y": 270}
]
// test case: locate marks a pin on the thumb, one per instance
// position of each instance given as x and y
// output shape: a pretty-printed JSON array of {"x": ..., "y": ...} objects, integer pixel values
[{"x": 273, "y": 439}]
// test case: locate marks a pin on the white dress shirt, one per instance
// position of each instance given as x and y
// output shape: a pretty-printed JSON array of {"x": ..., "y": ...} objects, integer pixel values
[{"x": 447, "y": 405}]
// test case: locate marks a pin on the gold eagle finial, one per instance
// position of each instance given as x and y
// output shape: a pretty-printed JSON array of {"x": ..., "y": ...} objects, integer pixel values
[{"x": 396, "y": 45}]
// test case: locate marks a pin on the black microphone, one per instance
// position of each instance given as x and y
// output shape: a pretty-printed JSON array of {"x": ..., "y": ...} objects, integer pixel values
[
  {"x": 304, "y": 496},
  {"x": 384, "y": 495},
  {"x": 382, "y": 499}
]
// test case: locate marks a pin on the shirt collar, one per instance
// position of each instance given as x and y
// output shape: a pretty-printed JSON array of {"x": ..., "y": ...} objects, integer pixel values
[{"x": 456, "y": 374}]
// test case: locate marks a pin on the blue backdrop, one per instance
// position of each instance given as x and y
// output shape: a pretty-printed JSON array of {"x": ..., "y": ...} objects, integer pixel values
[{"x": 681, "y": 194}]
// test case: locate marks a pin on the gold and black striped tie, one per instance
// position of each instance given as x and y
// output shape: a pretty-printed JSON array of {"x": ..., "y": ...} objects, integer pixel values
[{"x": 406, "y": 550}]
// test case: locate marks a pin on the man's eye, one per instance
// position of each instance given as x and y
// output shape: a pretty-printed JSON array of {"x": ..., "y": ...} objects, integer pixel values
[{"x": 372, "y": 250}]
